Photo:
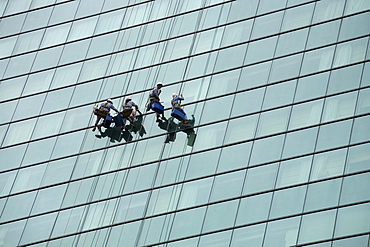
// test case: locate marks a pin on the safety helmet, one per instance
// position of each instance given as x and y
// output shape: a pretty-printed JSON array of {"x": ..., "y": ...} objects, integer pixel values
[
  {"x": 110, "y": 101},
  {"x": 174, "y": 95},
  {"x": 159, "y": 84},
  {"x": 128, "y": 98}
]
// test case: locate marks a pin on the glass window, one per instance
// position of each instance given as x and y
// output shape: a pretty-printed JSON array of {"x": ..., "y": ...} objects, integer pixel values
[
  {"x": 216, "y": 109},
  {"x": 178, "y": 48},
  {"x": 12, "y": 157},
  {"x": 282, "y": 233},
  {"x": 242, "y": 9},
  {"x": 237, "y": 33},
  {"x": 317, "y": 60},
  {"x": 18, "y": 206},
  {"x": 358, "y": 158},
  {"x": 328, "y": 164},
  {"x": 267, "y": 149},
  {"x": 84, "y": 93},
  {"x": 360, "y": 130},
  {"x": 166, "y": 199},
  {"x": 16, "y": 6},
  {"x": 95, "y": 68},
  {"x": 88, "y": 164},
  {"x": 58, "y": 171},
  {"x": 254, "y": 75},
  {"x": 37, "y": 18},
  {"x": 28, "y": 107},
  {"x": 316, "y": 227},
  {"x": 74, "y": 51},
  {"x": 20, "y": 65},
  {"x": 354, "y": 241},
  {"x": 7, "y": 45},
  {"x": 260, "y": 179},
  {"x": 28, "y": 42},
  {"x": 350, "y": 52},
  {"x": 12, "y": 232},
  {"x": 12, "y": 88},
  {"x": 322, "y": 195},
  {"x": 57, "y": 100},
  {"x": 110, "y": 21},
  {"x": 88, "y": 7},
  {"x": 78, "y": 192},
  {"x": 294, "y": 171},
  {"x": 6, "y": 183},
  {"x": 311, "y": 87},
  {"x": 326, "y": 10},
  {"x": 63, "y": 12},
  {"x": 68, "y": 144},
  {"x": 234, "y": 157},
  {"x": 279, "y": 94},
  {"x": 223, "y": 83},
  {"x": 28, "y": 178},
  {"x": 274, "y": 121},
  {"x": 230, "y": 58},
  {"x": 38, "y": 228},
  {"x": 323, "y": 34},
  {"x": 329, "y": 138},
  {"x": 220, "y": 215},
  {"x": 76, "y": 118},
  {"x": 195, "y": 193},
  {"x": 202, "y": 164},
  {"x": 140, "y": 178},
  {"x": 67, "y": 222},
  {"x": 147, "y": 151},
  {"x": 101, "y": 45},
  {"x": 210, "y": 136},
  {"x": 363, "y": 104},
  {"x": 292, "y": 42},
  {"x": 40, "y": 3},
  {"x": 354, "y": 6},
  {"x": 187, "y": 223},
  {"x": 55, "y": 35},
  {"x": 352, "y": 220},
  {"x": 47, "y": 58},
  {"x": 253, "y": 209},
  {"x": 350, "y": 28},
  {"x": 38, "y": 82},
  {"x": 355, "y": 189},
  {"x": 287, "y": 202},
  {"x": 366, "y": 74},
  {"x": 260, "y": 50},
  {"x": 220, "y": 239},
  {"x": 285, "y": 68},
  {"x": 152, "y": 231},
  {"x": 12, "y": 24},
  {"x": 241, "y": 129},
  {"x": 300, "y": 142},
  {"x": 298, "y": 17},
  {"x": 306, "y": 114},
  {"x": 267, "y": 24},
  {"x": 345, "y": 79},
  {"x": 124, "y": 234},
  {"x": 248, "y": 236},
  {"x": 340, "y": 106},
  {"x": 247, "y": 102},
  {"x": 227, "y": 185},
  {"x": 19, "y": 132},
  {"x": 268, "y": 6}
]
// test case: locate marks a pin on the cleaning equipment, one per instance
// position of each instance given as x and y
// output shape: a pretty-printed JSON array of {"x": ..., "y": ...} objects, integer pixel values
[
  {"x": 157, "y": 107},
  {"x": 107, "y": 121},
  {"x": 118, "y": 120},
  {"x": 178, "y": 114}
]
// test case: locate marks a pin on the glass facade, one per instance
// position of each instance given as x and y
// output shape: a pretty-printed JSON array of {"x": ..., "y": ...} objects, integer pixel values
[{"x": 279, "y": 97}]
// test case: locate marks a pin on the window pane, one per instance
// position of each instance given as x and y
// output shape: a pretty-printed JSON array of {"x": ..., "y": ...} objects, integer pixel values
[
  {"x": 260, "y": 179},
  {"x": 227, "y": 186},
  {"x": 210, "y": 136},
  {"x": 282, "y": 232},
  {"x": 241, "y": 129},
  {"x": 294, "y": 171},
  {"x": 306, "y": 114},
  {"x": 47, "y": 58},
  {"x": 266, "y": 150},
  {"x": 323, "y": 195},
  {"x": 18, "y": 206},
  {"x": 340, "y": 106},
  {"x": 274, "y": 121},
  {"x": 57, "y": 100},
  {"x": 298, "y": 17},
  {"x": 353, "y": 220},
  {"x": 285, "y": 68},
  {"x": 253, "y": 209},
  {"x": 311, "y": 87},
  {"x": 20, "y": 65},
  {"x": 28, "y": 42},
  {"x": 300, "y": 142},
  {"x": 363, "y": 104},
  {"x": 329, "y": 137},
  {"x": 350, "y": 52},
  {"x": 12, "y": 157},
  {"x": 28, "y": 107},
  {"x": 317, "y": 60},
  {"x": 247, "y": 102},
  {"x": 328, "y": 164},
  {"x": 279, "y": 94},
  {"x": 28, "y": 178},
  {"x": 19, "y": 132},
  {"x": 323, "y": 34},
  {"x": 202, "y": 164},
  {"x": 55, "y": 35},
  {"x": 358, "y": 158},
  {"x": 355, "y": 189},
  {"x": 354, "y": 6},
  {"x": 215, "y": 240},
  {"x": 230, "y": 58},
  {"x": 68, "y": 144},
  {"x": 326, "y": 10},
  {"x": 361, "y": 130},
  {"x": 248, "y": 236},
  {"x": 349, "y": 28},
  {"x": 316, "y": 227},
  {"x": 260, "y": 50},
  {"x": 234, "y": 157},
  {"x": 38, "y": 228},
  {"x": 187, "y": 223},
  {"x": 287, "y": 202},
  {"x": 267, "y": 25},
  {"x": 220, "y": 215},
  {"x": 223, "y": 83},
  {"x": 237, "y": 33}
]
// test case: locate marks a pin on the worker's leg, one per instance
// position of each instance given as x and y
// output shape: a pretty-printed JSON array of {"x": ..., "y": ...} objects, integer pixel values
[{"x": 96, "y": 122}]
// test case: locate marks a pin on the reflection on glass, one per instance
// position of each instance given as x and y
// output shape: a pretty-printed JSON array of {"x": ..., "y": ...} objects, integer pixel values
[
  {"x": 248, "y": 236},
  {"x": 322, "y": 195},
  {"x": 306, "y": 114},
  {"x": 350, "y": 52},
  {"x": 326, "y": 10},
  {"x": 340, "y": 106},
  {"x": 328, "y": 135},
  {"x": 195, "y": 193},
  {"x": 328, "y": 164},
  {"x": 267, "y": 24},
  {"x": 294, "y": 171},
  {"x": 282, "y": 233},
  {"x": 298, "y": 17}
]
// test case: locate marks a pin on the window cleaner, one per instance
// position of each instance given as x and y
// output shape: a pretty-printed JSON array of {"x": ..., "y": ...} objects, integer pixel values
[
  {"x": 127, "y": 111},
  {"x": 102, "y": 112},
  {"x": 154, "y": 102},
  {"x": 177, "y": 111}
]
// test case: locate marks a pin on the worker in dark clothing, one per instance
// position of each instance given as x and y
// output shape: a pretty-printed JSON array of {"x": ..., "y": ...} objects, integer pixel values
[
  {"x": 102, "y": 111},
  {"x": 127, "y": 111},
  {"x": 154, "y": 97},
  {"x": 176, "y": 104}
]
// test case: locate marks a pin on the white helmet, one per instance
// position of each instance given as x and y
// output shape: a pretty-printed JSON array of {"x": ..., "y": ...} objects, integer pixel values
[
  {"x": 128, "y": 98},
  {"x": 159, "y": 84},
  {"x": 110, "y": 101},
  {"x": 174, "y": 95}
]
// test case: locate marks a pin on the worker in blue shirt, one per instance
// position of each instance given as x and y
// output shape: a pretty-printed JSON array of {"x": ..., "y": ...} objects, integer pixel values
[
  {"x": 176, "y": 103},
  {"x": 102, "y": 111},
  {"x": 127, "y": 112},
  {"x": 154, "y": 97}
]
